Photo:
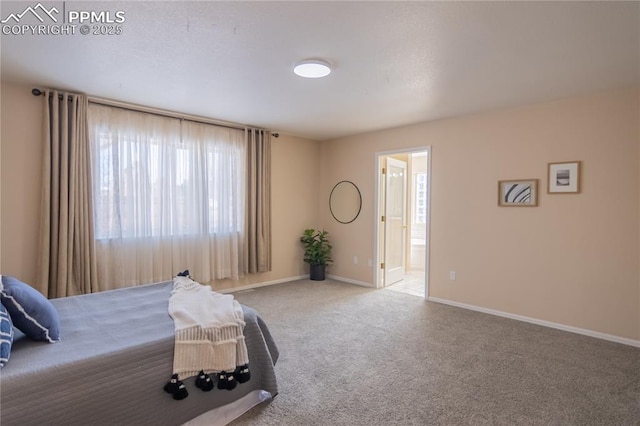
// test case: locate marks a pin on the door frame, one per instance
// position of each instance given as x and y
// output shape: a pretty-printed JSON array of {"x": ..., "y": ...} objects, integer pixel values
[{"x": 377, "y": 276}]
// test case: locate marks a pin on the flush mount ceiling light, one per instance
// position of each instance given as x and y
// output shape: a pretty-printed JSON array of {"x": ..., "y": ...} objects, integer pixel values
[{"x": 312, "y": 68}]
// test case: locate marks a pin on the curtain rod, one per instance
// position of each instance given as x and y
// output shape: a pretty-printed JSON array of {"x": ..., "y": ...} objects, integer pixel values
[
  {"x": 160, "y": 112},
  {"x": 37, "y": 92}
]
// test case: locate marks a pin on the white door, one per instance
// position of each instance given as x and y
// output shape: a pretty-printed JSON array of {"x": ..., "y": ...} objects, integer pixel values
[{"x": 395, "y": 222}]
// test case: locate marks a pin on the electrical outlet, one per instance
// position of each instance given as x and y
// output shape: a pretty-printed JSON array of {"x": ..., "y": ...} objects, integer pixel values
[
  {"x": 452, "y": 275},
  {"x": 355, "y": 260}
]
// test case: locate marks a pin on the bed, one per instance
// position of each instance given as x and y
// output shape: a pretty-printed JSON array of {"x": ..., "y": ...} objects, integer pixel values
[{"x": 114, "y": 357}]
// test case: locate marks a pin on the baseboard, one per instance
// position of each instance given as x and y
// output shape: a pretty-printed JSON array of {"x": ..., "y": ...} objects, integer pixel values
[
  {"x": 590, "y": 333},
  {"x": 263, "y": 284},
  {"x": 289, "y": 279},
  {"x": 350, "y": 281}
]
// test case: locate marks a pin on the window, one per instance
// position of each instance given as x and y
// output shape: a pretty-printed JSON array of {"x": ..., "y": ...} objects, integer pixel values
[
  {"x": 168, "y": 195},
  {"x": 159, "y": 177},
  {"x": 421, "y": 198}
]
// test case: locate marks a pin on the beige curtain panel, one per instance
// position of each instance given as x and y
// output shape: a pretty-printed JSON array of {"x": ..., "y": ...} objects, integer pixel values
[
  {"x": 67, "y": 253},
  {"x": 257, "y": 255}
]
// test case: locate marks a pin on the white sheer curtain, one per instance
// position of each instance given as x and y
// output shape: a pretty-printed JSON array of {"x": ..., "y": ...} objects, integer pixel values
[{"x": 168, "y": 195}]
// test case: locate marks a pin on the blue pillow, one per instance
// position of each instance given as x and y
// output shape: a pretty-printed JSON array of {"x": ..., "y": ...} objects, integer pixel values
[
  {"x": 30, "y": 311},
  {"x": 6, "y": 335}
]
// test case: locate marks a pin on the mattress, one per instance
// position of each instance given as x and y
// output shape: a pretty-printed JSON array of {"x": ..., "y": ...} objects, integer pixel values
[{"x": 115, "y": 356}]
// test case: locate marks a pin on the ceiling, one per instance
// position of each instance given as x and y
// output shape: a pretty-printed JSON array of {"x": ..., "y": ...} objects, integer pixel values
[{"x": 394, "y": 63}]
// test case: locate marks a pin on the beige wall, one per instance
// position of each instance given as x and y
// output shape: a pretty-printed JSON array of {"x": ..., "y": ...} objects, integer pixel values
[
  {"x": 573, "y": 260},
  {"x": 295, "y": 171},
  {"x": 21, "y": 138}
]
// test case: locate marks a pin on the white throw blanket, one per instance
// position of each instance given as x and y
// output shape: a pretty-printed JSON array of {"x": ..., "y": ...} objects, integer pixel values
[{"x": 209, "y": 330}]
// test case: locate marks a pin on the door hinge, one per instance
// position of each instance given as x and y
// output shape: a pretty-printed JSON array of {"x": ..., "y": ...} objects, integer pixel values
[
  {"x": 382, "y": 265},
  {"x": 382, "y": 219},
  {"x": 384, "y": 171}
]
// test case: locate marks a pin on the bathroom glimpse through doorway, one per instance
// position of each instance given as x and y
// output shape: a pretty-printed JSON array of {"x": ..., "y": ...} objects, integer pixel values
[{"x": 403, "y": 220}]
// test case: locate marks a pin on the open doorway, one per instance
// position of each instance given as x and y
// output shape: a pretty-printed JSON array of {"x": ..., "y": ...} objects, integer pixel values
[{"x": 402, "y": 230}]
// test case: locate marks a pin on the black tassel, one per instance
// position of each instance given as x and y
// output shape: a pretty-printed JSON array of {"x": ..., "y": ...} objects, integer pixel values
[
  {"x": 204, "y": 381},
  {"x": 243, "y": 374},
  {"x": 226, "y": 381},
  {"x": 222, "y": 380},
  {"x": 231, "y": 382},
  {"x": 176, "y": 388},
  {"x": 172, "y": 384}
]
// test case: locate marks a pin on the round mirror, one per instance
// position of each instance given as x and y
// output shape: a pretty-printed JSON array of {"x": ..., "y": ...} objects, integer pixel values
[{"x": 345, "y": 202}]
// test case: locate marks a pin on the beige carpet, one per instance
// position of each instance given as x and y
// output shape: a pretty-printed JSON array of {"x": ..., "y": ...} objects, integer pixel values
[{"x": 356, "y": 356}]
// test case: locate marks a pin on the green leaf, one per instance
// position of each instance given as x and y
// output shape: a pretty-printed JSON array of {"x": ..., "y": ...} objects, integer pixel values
[{"x": 317, "y": 249}]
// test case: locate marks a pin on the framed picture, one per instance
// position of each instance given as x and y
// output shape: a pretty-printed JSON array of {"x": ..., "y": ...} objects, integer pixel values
[
  {"x": 518, "y": 193},
  {"x": 564, "y": 178}
]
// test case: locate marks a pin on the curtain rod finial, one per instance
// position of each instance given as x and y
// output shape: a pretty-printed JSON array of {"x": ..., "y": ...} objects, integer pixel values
[
  {"x": 36, "y": 91},
  {"x": 275, "y": 135}
]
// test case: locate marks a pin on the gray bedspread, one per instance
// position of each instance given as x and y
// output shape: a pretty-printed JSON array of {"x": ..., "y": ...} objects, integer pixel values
[{"x": 114, "y": 359}]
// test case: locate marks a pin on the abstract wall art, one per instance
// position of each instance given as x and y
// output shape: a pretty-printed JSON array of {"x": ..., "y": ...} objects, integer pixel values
[{"x": 518, "y": 193}]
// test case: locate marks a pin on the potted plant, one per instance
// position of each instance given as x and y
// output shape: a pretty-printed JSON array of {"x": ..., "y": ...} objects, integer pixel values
[{"x": 317, "y": 252}]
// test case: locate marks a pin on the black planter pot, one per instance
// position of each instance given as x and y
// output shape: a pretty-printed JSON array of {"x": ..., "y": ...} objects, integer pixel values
[{"x": 316, "y": 272}]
